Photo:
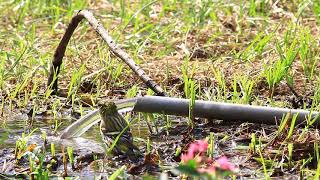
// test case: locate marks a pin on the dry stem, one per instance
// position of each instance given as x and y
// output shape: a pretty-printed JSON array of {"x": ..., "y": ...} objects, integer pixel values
[{"x": 96, "y": 25}]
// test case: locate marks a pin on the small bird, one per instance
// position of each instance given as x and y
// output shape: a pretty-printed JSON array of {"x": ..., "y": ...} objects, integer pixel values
[{"x": 112, "y": 125}]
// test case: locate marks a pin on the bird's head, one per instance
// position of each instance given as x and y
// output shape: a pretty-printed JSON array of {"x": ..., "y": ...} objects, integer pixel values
[{"x": 107, "y": 108}]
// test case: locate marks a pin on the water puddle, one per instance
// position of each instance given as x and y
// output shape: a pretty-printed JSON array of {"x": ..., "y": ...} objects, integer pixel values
[{"x": 169, "y": 134}]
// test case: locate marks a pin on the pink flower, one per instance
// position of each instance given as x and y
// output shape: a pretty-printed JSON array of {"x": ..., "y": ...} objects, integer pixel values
[
  {"x": 186, "y": 157},
  {"x": 209, "y": 170},
  {"x": 193, "y": 148},
  {"x": 203, "y": 164},
  {"x": 209, "y": 161},
  {"x": 195, "y": 151},
  {"x": 224, "y": 164},
  {"x": 202, "y": 146},
  {"x": 189, "y": 156}
]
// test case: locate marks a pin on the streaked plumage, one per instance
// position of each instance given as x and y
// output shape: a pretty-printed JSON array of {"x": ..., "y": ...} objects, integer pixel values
[{"x": 111, "y": 126}]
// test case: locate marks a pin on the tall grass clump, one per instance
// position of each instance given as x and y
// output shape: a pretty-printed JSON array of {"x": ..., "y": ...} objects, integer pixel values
[
  {"x": 221, "y": 90},
  {"x": 256, "y": 47},
  {"x": 190, "y": 88},
  {"x": 199, "y": 12},
  {"x": 316, "y": 10},
  {"x": 258, "y": 8},
  {"x": 308, "y": 53},
  {"x": 316, "y": 95},
  {"x": 242, "y": 89},
  {"x": 287, "y": 52},
  {"x": 53, "y": 11}
]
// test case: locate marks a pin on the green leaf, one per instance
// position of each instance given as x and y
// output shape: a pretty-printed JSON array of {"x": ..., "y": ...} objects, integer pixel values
[
  {"x": 117, "y": 173},
  {"x": 188, "y": 169}
]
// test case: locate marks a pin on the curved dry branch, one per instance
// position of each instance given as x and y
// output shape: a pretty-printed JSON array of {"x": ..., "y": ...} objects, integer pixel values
[{"x": 96, "y": 25}]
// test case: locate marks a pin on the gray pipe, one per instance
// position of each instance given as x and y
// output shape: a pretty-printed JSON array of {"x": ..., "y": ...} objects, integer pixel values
[
  {"x": 219, "y": 110},
  {"x": 204, "y": 109}
]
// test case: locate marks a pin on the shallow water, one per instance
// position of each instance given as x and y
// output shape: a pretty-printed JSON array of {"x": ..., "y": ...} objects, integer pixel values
[
  {"x": 14, "y": 124},
  {"x": 89, "y": 145}
]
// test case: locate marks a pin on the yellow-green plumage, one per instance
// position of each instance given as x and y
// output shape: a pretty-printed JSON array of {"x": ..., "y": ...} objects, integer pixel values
[{"x": 112, "y": 124}]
